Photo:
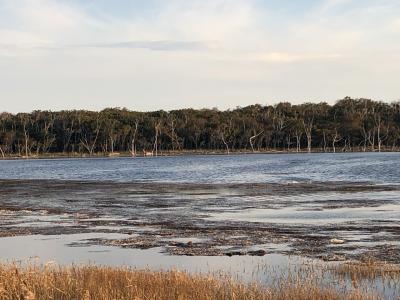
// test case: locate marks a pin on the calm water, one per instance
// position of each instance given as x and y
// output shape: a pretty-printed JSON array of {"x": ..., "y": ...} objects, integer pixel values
[
  {"x": 379, "y": 168},
  {"x": 308, "y": 199}
]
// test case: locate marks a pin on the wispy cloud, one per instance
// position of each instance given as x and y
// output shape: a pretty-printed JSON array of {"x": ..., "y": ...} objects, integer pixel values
[
  {"x": 155, "y": 45},
  {"x": 327, "y": 5},
  {"x": 282, "y": 57},
  {"x": 148, "y": 45}
]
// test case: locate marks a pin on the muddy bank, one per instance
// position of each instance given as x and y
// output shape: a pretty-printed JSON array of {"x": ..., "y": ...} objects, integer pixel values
[{"x": 306, "y": 219}]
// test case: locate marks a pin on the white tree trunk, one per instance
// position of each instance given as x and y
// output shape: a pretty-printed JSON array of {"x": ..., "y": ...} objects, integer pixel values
[
  {"x": 252, "y": 140},
  {"x": 225, "y": 143}
]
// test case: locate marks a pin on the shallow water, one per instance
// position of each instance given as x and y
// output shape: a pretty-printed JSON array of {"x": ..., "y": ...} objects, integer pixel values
[
  {"x": 43, "y": 248},
  {"x": 267, "y": 271}
]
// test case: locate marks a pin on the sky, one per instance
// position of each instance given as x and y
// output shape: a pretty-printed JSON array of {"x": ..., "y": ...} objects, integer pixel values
[{"x": 171, "y": 54}]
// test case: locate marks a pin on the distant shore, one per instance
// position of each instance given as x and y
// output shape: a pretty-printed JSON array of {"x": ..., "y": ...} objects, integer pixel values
[{"x": 182, "y": 153}]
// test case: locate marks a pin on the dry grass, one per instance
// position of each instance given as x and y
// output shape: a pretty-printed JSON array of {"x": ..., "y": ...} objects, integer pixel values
[
  {"x": 369, "y": 269},
  {"x": 92, "y": 282}
]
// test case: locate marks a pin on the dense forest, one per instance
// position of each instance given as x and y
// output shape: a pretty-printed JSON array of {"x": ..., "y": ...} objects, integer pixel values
[{"x": 348, "y": 125}]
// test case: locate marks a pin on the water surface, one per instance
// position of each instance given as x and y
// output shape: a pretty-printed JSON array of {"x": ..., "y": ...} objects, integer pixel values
[
  {"x": 202, "y": 213},
  {"x": 379, "y": 168}
]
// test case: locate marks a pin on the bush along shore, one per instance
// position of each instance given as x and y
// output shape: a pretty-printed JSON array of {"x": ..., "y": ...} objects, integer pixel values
[
  {"x": 348, "y": 281},
  {"x": 348, "y": 125}
]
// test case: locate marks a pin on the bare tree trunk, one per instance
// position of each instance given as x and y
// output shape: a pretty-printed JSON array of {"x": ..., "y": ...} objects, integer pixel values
[
  {"x": 225, "y": 143},
  {"x": 344, "y": 149},
  {"x": 371, "y": 139},
  {"x": 157, "y": 129},
  {"x": 174, "y": 137},
  {"x": 379, "y": 136},
  {"x": 365, "y": 144},
  {"x": 26, "y": 136},
  {"x": 111, "y": 143},
  {"x": 252, "y": 140},
  {"x": 308, "y": 130},
  {"x": 309, "y": 142},
  {"x": 133, "y": 141},
  {"x": 155, "y": 149},
  {"x": 334, "y": 141},
  {"x": 68, "y": 132},
  {"x": 89, "y": 146},
  {"x": 298, "y": 142},
  {"x": 48, "y": 140},
  {"x": 19, "y": 148},
  {"x": 288, "y": 142}
]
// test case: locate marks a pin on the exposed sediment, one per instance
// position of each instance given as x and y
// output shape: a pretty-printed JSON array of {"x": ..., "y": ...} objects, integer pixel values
[{"x": 207, "y": 219}]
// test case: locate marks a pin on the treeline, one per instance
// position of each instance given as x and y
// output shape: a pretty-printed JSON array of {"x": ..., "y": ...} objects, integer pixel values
[{"x": 349, "y": 125}]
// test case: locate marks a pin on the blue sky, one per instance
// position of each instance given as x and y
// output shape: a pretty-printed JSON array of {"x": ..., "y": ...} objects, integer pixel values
[{"x": 147, "y": 55}]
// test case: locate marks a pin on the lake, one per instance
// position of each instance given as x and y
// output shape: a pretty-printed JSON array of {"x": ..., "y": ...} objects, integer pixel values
[
  {"x": 238, "y": 214},
  {"x": 378, "y": 168}
]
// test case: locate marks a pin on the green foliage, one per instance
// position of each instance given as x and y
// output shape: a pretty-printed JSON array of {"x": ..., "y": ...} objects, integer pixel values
[{"x": 349, "y": 125}]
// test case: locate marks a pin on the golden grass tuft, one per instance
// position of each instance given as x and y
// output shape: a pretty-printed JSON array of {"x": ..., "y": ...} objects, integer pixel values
[
  {"x": 369, "y": 269},
  {"x": 95, "y": 282}
]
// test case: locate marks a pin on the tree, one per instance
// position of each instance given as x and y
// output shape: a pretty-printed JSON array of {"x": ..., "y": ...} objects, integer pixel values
[
  {"x": 89, "y": 131},
  {"x": 348, "y": 125}
]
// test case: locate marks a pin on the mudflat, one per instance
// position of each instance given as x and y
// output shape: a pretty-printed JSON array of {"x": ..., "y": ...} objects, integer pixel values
[{"x": 335, "y": 221}]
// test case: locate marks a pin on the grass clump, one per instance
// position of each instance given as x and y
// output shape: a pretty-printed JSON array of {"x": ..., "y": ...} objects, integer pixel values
[
  {"x": 95, "y": 282},
  {"x": 368, "y": 269}
]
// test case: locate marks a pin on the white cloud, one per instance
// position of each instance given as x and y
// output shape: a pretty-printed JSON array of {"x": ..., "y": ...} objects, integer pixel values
[
  {"x": 282, "y": 57},
  {"x": 215, "y": 22},
  {"x": 43, "y": 23}
]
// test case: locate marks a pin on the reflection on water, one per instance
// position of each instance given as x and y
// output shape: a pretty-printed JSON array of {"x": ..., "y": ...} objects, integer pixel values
[
  {"x": 268, "y": 270},
  {"x": 43, "y": 248}
]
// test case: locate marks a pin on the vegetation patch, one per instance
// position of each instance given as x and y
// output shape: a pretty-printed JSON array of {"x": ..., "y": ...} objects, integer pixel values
[
  {"x": 349, "y": 125},
  {"x": 94, "y": 282}
]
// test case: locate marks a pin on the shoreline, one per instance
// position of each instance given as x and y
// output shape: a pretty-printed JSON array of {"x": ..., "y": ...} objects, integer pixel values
[{"x": 182, "y": 153}]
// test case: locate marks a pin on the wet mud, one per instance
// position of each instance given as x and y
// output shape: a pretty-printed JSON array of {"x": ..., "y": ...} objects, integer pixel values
[{"x": 305, "y": 219}]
